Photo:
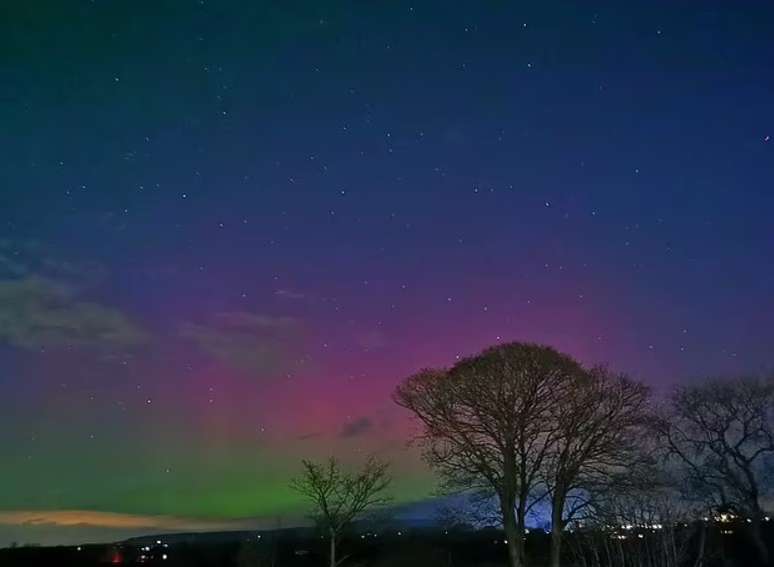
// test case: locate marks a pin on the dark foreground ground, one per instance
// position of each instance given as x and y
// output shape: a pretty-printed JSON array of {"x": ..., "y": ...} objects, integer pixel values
[{"x": 725, "y": 546}]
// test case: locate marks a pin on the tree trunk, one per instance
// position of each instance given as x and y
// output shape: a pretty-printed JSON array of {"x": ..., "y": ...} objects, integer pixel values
[
  {"x": 521, "y": 522},
  {"x": 557, "y": 525},
  {"x": 514, "y": 530},
  {"x": 702, "y": 544},
  {"x": 758, "y": 541},
  {"x": 511, "y": 534},
  {"x": 333, "y": 547}
]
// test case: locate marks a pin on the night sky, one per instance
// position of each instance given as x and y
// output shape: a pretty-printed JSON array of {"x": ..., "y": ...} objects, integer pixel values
[{"x": 227, "y": 230}]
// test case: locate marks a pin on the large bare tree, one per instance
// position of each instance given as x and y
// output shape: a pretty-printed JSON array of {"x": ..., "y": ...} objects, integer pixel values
[
  {"x": 722, "y": 433},
  {"x": 340, "y": 496},
  {"x": 600, "y": 419},
  {"x": 487, "y": 425}
]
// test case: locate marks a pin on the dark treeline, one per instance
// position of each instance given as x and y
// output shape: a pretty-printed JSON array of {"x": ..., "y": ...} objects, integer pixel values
[{"x": 460, "y": 547}]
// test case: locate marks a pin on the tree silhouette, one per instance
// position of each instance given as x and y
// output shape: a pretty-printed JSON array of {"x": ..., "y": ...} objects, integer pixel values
[
  {"x": 340, "y": 496},
  {"x": 487, "y": 425},
  {"x": 722, "y": 433},
  {"x": 601, "y": 423}
]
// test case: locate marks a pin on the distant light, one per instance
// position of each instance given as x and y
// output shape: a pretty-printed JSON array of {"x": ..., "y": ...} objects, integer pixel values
[
  {"x": 164, "y": 557},
  {"x": 79, "y": 547},
  {"x": 158, "y": 542}
]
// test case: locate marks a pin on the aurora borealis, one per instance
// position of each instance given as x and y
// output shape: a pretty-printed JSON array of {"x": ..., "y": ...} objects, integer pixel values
[{"x": 228, "y": 229}]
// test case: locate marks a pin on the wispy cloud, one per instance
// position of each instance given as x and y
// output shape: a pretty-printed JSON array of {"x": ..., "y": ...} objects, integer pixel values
[
  {"x": 248, "y": 341},
  {"x": 290, "y": 294},
  {"x": 66, "y": 527},
  {"x": 355, "y": 428},
  {"x": 38, "y": 312},
  {"x": 28, "y": 258},
  {"x": 308, "y": 436},
  {"x": 374, "y": 339},
  {"x": 92, "y": 518}
]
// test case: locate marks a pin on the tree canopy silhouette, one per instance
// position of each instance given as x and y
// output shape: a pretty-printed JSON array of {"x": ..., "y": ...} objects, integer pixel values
[
  {"x": 340, "y": 496},
  {"x": 527, "y": 423}
]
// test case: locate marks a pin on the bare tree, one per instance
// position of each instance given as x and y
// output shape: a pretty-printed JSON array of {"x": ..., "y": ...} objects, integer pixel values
[
  {"x": 722, "y": 433},
  {"x": 637, "y": 518},
  {"x": 600, "y": 421},
  {"x": 486, "y": 425},
  {"x": 340, "y": 496}
]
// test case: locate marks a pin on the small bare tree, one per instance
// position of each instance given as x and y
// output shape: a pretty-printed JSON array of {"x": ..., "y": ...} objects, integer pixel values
[
  {"x": 722, "y": 433},
  {"x": 340, "y": 496},
  {"x": 487, "y": 427},
  {"x": 638, "y": 519}
]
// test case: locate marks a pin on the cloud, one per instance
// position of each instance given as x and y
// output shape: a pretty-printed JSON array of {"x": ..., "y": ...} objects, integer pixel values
[
  {"x": 38, "y": 312},
  {"x": 28, "y": 258},
  {"x": 307, "y": 436},
  {"x": 356, "y": 428},
  {"x": 248, "y": 341},
  {"x": 11, "y": 266},
  {"x": 374, "y": 339},
  {"x": 68, "y": 527},
  {"x": 289, "y": 294},
  {"x": 109, "y": 520}
]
